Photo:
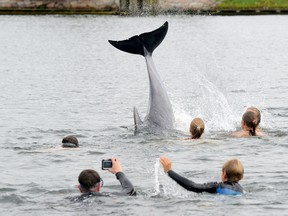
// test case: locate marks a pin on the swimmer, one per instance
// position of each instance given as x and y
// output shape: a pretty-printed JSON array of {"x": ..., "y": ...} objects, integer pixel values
[
  {"x": 197, "y": 128},
  {"x": 232, "y": 173},
  {"x": 90, "y": 182},
  {"x": 248, "y": 125},
  {"x": 70, "y": 142},
  {"x": 258, "y": 119}
]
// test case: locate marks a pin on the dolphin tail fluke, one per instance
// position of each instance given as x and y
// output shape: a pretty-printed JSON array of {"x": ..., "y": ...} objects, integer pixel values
[
  {"x": 149, "y": 40},
  {"x": 137, "y": 119}
]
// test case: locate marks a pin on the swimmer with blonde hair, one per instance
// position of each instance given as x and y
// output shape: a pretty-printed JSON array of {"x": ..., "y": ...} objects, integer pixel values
[
  {"x": 197, "y": 128},
  {"x": 232, "y": 173}
]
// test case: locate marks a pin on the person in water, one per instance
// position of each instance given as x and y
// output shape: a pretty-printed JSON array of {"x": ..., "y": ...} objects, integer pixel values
[
  {"x": 232, "y": 173},
  {"x": 70, "y": 142},
  {"x": 249, "y": 124},
  {"x": 196, "y": 129},
  {"x": 90, "y": 182},
  {"x": 258, "y": 119}
]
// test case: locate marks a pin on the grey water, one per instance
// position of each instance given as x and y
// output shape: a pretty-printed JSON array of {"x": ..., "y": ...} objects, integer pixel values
[{"x": 59, "y": 76}]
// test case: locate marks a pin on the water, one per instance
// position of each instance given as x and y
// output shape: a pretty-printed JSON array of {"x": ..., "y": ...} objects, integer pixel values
[{"x": 60, "y": 76}]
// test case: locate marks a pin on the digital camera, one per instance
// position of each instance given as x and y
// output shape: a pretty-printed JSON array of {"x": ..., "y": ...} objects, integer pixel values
[{"x": 106, "y": 164}]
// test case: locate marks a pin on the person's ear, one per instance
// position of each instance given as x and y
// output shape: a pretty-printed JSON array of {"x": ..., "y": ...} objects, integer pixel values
[
  {"x": 79, "y": 187},
  {"x": 224, "y": 176},
  {"x": 98, "y": 187}
]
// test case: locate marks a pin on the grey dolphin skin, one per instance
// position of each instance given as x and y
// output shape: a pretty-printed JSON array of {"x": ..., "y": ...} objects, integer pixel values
[{"x": 159, "y": 114}]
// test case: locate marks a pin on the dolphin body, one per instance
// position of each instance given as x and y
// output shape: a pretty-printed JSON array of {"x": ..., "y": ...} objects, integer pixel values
[{"x": 159, "y": 114}]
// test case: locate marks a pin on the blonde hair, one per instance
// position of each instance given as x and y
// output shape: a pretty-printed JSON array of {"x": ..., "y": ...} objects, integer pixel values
[
  {"x": 234, "y": 170},
  {"x": 197, "y": 127}
]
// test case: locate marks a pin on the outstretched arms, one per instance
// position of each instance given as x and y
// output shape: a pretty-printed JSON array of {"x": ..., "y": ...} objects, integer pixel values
[{"x": 184, "y": 182}]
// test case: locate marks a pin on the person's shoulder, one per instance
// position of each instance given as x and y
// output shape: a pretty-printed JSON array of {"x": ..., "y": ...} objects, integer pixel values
[
  {"x": 238, "y": 134},
  {"x": 260, "y": 133},
  {"x": 86, "y": 196},
  {"x": 184, "y": 138}
]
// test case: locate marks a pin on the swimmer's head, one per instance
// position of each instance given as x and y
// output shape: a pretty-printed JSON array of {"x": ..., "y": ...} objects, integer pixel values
[
  {"x": 232, "y": 170},
  {"x": 70, "y": 142},
  {"x": 249, "y": 120},
  {"x": 257, "y": 112},
  {"x": 89, "y": 181},
  {"x": 197, "y": 127}
]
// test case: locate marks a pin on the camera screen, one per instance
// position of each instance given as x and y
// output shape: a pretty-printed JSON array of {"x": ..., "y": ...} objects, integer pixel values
[{"x": 106, "y": 164}]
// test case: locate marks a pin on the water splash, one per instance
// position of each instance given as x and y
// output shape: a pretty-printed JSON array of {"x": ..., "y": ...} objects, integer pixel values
[
  {"x": 156, "y": 177},
  {"x": 205, "y": 100},
  {"x": 167, "y": 187}
]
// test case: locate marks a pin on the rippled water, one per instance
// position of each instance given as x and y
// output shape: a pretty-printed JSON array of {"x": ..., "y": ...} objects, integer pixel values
[{"x": 60, "y": 76}]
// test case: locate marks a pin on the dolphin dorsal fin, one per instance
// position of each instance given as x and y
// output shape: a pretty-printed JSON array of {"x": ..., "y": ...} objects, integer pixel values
[{"x": 137, "y": 119}]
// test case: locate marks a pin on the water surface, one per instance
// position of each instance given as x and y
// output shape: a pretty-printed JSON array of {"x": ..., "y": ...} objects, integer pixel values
[{"x": 60, "y": 76}]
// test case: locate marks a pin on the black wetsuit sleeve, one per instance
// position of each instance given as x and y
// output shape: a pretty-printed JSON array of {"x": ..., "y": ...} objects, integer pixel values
[
  {"x": 127, "y": 186},
  {"x": 192, "y": 186}
]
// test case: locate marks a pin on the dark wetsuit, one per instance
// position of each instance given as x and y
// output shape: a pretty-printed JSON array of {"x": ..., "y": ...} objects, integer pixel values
[
  {"x": 127, "y": 189},
  {"x": 227, "y": 188}
]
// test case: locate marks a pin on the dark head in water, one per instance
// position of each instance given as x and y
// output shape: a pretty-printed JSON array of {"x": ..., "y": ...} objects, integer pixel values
[
  {"x": 160, "y": 114},
  {"x": 70, "y": 142}
]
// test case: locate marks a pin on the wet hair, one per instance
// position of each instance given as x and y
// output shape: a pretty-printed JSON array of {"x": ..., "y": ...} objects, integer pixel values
[
  {"x": 197, "y": 127},
  {"x": 234, "y": 170},
  {"x": 88, "y": 179},
  {"x": 70, "y": 142},
  {"x": 249, "y": 118},
  {"x": 257, "y": 112}
]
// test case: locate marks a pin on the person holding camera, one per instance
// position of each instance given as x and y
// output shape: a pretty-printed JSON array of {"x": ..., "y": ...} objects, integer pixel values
[
  {"x": 232, "y": 173},
  {"x": 90, "y": 181}
]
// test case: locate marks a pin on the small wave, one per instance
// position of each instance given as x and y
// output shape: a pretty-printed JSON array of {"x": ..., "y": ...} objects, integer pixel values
[
  {"x": 12, "y": 198},
  {"x": 95, "y": 153},
  {"x": 5, "y": 190}
]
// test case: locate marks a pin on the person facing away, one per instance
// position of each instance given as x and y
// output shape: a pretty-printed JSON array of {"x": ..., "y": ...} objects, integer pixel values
[
  {"x": 232, "y": 173},
  {"x": 249, "y": 124},
  {"x": 70, "y": 142},
  {"x": 196, "y": 129},
  {"x": 90, "y": 182},
  {"x": 258, "y": 119}
]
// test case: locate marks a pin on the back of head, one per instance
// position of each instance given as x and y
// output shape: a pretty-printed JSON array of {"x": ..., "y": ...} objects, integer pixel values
[
  {"x": 88, "y": 179},
  {"x": 249, "y": 118},
  {"x": 197, "y": 127},
  {"x": 257, "y": 112},
  {"x": 70, "y": 142},
  {"x": 234, "y": 170}
]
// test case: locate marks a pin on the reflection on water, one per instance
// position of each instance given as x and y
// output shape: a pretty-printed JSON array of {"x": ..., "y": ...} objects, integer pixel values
[{"x": 60, "y": 76}]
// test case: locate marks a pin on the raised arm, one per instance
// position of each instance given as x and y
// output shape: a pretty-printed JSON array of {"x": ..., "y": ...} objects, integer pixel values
[
  {"x": 192, "y": 186},
  {"x": 127, "y": 186},
  {"x": 184, "y": 182}
]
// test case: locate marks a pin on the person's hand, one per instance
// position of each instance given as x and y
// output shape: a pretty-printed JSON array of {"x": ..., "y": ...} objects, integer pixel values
[
  {"x": 116, "y": 166},
  {"x": 166, "y": 163}
]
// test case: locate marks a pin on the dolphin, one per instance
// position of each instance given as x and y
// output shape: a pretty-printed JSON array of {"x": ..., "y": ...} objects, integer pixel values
[{"x": 159, "y": 114}]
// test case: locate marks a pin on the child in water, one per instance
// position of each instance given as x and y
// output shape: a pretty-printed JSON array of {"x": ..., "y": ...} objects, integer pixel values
[
  {"x": 258, "y": 119},
  {"x": 250, "y": 124},
  {"x": 232, "y": 173},
  {"x": 197, "y": 128}
]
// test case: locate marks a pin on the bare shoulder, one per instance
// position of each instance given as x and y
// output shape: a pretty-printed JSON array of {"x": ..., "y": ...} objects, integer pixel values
[
  {"x": 185, "y": 138},
  {"x": 239, "y": 134},
  {"x": 260, "y": 133}
]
